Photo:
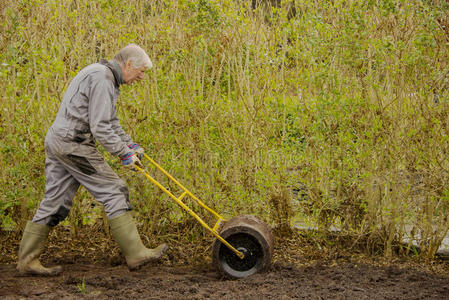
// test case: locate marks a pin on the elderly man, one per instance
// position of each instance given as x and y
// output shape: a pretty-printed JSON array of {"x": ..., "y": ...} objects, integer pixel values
[{"x": 88, "y": 113}]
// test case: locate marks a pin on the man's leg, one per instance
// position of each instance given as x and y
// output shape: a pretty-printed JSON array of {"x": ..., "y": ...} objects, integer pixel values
[
  {"x": 125, "y": 233},
  {"x": 60, "y": 189},
  {"x": 90, "y": 169}
]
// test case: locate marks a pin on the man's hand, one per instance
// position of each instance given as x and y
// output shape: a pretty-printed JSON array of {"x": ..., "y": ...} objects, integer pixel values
[
  {"x": 139, "y": 150},
  {"x": 130, "y": 161}
]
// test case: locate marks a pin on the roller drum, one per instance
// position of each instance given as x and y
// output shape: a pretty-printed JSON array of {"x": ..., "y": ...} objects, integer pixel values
[{"x": 249, "y": 235}]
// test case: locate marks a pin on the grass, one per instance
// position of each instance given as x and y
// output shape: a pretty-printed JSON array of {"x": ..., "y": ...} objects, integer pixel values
[
  {"x": 81, "y": 287},
  {"x": 243, "y": 105}
]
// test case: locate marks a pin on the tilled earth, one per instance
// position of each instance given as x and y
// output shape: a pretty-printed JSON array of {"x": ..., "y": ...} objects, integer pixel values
[
  {"x": 317, "y": 281},
  {"x": 93, "y": 268}
]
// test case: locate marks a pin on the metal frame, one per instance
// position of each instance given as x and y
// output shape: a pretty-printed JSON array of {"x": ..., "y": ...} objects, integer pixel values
[{"x": 214, "y": 229}]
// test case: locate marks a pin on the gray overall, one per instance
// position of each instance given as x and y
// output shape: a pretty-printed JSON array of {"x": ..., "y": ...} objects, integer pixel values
[{"x": 87, "y": 113}]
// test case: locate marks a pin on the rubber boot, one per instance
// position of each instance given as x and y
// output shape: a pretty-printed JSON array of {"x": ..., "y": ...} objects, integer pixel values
[
  {"x": 31, "y": 246},
  {"x": 125, "y": 232}
]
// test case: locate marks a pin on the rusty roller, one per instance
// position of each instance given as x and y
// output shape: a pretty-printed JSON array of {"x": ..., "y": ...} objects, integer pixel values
[
  {"x": 244, "y": 244},
  {"x": 253, "y": 238}
]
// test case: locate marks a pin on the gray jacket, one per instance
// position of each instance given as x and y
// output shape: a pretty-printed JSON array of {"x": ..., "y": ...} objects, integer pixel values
[{"x": 88, "y": 109}]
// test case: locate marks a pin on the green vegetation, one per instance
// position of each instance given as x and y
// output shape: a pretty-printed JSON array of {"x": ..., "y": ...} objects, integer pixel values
[
  {"x": 81, "y": 287},
  {"x": 245, "y": 105}
]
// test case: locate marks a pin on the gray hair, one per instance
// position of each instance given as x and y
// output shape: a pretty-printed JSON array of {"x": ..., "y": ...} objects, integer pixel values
[{"x": 135, "y": 54}]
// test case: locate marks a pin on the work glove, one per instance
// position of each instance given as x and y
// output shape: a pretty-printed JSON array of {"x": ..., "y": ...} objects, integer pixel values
[
  {"x": 130, "y": 160},
  {"x": 139, "y": 150}
]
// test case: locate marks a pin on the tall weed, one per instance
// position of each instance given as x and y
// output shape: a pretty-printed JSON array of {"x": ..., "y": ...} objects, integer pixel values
[{"x": 245, "y": 104}]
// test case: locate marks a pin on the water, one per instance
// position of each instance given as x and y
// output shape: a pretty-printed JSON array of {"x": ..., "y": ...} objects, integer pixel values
[{"x": 443, "y": 250}]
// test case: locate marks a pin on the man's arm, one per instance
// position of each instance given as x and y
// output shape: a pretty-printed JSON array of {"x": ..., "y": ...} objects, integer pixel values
[
  {"x": 101, "y": 113},
  {"x": 115, "y": 122}
]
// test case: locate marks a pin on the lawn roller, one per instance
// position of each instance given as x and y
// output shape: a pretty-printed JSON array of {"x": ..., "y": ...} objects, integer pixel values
[{"x": 244, "y": 244}]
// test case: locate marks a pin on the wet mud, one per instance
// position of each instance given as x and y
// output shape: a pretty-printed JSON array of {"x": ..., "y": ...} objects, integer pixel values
[
  {"x": 301, "y": 269},
  {"x": 281, "y": 281}
]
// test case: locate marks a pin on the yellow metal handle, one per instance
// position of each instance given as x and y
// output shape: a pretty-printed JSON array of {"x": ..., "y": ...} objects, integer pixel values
[
  {"x": 185, "y": 207},
  {"x": 183, "y": 188}
]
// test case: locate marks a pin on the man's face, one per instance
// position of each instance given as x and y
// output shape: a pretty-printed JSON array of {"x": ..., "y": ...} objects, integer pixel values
[{"x": 130, "y": 74}]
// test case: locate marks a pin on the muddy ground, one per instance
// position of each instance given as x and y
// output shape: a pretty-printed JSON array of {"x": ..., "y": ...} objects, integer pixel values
[
  {"x": 317, "y": 281},
  {"x": 93, "y": 268}
]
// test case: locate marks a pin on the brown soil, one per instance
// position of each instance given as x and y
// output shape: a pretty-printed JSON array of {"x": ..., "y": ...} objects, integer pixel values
[
  {"x": 300, "y": 270},
  {"x": 318, "y": 281}
]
